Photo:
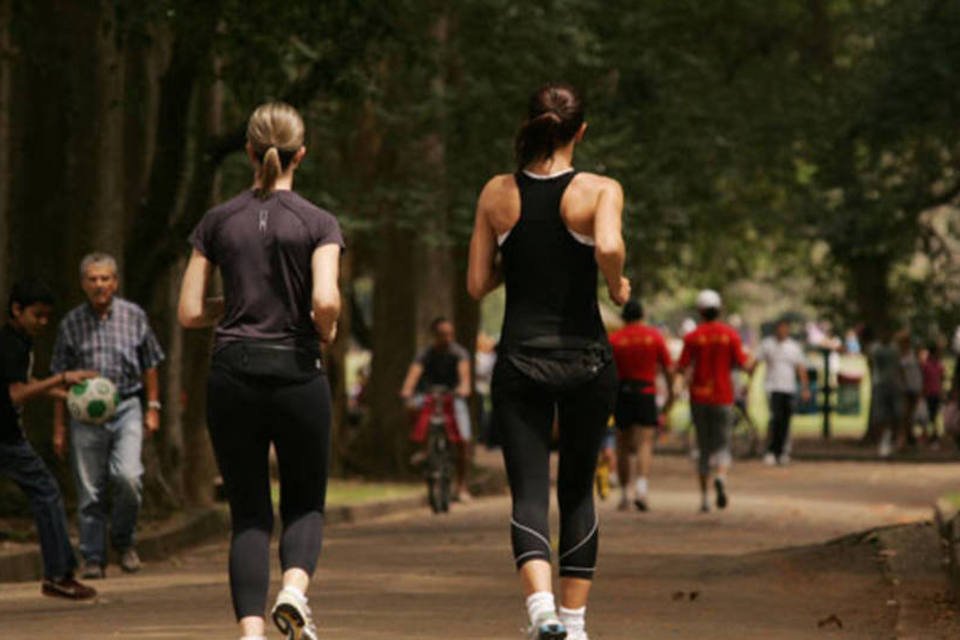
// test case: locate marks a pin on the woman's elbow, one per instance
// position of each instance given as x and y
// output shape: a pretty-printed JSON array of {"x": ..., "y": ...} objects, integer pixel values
[
  {"x": 327, "y": 304},
  {"x": 475, "y": 290},
  {"x": 609, "y": 247},
  {"x": 189, "y": 316}
]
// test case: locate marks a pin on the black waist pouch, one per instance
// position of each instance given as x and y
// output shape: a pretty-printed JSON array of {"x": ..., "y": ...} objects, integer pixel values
[
  {"x": 274, "y": 361},
  {"x": 560, "y": 364}
]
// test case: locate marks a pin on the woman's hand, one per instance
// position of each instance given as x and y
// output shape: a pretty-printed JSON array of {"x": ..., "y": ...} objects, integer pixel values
[{"x": 620, "y": 293}]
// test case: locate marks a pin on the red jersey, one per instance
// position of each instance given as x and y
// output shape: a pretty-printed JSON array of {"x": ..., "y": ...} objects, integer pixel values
[
  {"x": 638, "y": 349},
  {"x": 714, "y": 349}
]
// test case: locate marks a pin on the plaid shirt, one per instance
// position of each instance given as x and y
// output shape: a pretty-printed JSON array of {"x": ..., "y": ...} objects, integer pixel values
[{"x": 120, "y": 346}]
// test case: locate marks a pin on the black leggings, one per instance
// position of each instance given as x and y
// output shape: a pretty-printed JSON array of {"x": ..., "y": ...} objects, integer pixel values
[
  {"x": 245, "y": 414},
  {"x": 524, "y": 413}
]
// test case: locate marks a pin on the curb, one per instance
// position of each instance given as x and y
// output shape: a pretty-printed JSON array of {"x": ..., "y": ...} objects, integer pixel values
[
  {"x": 199, "y": 526},
  {"x": 825, "y": 456},
  {"x": 947, "y": 520}
]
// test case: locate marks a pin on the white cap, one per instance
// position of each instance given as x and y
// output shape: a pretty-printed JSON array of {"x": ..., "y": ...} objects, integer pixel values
[{"x": 709, "y": 299}]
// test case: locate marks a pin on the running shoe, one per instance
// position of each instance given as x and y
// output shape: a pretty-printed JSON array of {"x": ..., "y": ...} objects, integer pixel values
[
  {"x": 92, "y": 571},
  {"x": 67, "y": 588},
  {"x": 641, "y": 504},
  {"x": 130, "y": 561},
  {"x": 547, "y": 627},
  {"x": 769, "y": 459},
  {"x": 293, "y": 617},
  {"x": 624, "y": 504},
  {"x": 721, "y": 494}
]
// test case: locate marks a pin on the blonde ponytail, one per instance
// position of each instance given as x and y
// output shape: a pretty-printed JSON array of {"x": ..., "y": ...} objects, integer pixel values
[
  {"x": 275, "y": 133},
  {"x": 270, "y": 170}
]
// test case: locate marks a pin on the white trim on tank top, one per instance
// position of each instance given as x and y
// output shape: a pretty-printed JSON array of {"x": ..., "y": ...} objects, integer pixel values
[{"x": 579, "y": 237}]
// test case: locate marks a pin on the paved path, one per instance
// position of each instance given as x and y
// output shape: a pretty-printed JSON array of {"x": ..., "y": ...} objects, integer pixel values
[{"x": 419, "y": 576}]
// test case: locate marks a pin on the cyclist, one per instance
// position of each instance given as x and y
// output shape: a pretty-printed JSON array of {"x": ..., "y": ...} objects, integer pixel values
[
  {"x": 553, "y": 228},
  {"x": 279, "y": 256},
  {"x": 710, "y": 353},
  {"x": 445, "y": 364},
  {"x": 640, "y": 352}
]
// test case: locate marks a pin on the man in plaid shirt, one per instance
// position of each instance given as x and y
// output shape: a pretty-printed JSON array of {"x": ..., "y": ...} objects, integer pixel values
[{"x": 112, "y": 336}]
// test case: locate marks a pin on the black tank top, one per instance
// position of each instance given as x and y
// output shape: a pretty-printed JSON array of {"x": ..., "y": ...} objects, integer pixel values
[{"x": 550, "y": 277}]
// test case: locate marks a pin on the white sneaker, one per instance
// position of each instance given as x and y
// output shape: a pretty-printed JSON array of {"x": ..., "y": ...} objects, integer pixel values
[
  {"x": 293, "y": 617},
  {"x": 547, "y": 627},
  {"x": 769, "y": 459},
  {"x": 784, "y": 460}
]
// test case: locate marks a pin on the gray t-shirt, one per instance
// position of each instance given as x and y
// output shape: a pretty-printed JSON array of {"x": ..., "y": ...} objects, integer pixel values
[{"x": 264, "y": 250}]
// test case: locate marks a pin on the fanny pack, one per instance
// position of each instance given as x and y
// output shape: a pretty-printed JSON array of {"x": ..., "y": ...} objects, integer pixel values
[
  {"x": 277, "y": 361},
  {"x": 560, "y": 363}
]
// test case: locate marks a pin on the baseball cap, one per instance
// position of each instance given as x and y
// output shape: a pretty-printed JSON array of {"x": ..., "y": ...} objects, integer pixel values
[{"x": 709, "y": 299}]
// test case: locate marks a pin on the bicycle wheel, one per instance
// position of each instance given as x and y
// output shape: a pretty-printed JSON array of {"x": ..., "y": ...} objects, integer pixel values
[{"x": 745, "y": 437}]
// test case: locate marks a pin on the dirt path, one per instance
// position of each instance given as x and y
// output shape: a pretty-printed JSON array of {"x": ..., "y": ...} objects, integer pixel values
[{"x": 757, "y": 571}]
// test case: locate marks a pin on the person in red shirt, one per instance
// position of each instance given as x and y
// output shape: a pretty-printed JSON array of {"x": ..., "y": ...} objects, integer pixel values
[
  {"x": 710, "y": 353},
  {"x": 640, "y": 353}
]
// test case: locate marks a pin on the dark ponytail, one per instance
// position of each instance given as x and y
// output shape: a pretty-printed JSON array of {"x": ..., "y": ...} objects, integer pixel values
[{"x": 554, "y": 116}]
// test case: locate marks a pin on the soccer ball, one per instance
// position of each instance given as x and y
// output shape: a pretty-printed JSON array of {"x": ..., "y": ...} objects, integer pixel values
[{"x": 93, "y": 401}]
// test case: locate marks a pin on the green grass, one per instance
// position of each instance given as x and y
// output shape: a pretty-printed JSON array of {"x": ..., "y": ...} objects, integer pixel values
[
  {"x": 351, "y": 492},
  {"x": 802, "y": 426}
]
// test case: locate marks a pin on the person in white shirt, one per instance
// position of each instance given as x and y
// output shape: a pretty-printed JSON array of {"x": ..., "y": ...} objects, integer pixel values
[{"x": 785, "y": 364}]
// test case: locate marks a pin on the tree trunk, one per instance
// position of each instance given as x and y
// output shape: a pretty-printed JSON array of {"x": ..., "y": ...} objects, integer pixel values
[
  {"x": 6, "y": 69},
  {"x": 869, "y": 283},
  {"x": 394, "y": 336}
]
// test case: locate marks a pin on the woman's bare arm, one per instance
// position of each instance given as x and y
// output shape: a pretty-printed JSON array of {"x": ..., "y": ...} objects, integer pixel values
[
  {"x": 195, "y": 311},
  {"x": 483, "y": 276},
  {"x": 608, "y": 235},
  {"x": 326, "y": 291}
]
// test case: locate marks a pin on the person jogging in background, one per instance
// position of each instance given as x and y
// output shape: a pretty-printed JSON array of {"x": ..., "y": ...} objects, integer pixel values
[
  {"x": 710, "y": 353},
  {"x": 640, "y": 353},
  {"x": 29, "y": 307},
  {"x": 279, "y": 257},
  {"x": 445, "y": 364},
  {"x": 785, "y": 365},
  {"x": 554, "y": 229}
]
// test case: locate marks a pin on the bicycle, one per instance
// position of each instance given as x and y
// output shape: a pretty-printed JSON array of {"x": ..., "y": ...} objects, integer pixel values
[{"x": 436, "y": 426}]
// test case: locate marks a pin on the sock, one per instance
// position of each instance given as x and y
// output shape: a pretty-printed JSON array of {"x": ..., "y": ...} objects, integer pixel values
[
  {"x": 574, "y": 620},
  {"x": 540, "y": 604},
  {"x": 641, "y": 487},
  {"x": 297, "y": 593}
]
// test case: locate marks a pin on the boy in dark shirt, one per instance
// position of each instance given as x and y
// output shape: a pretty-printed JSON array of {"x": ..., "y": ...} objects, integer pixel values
[{"x": 30, "y": 306}]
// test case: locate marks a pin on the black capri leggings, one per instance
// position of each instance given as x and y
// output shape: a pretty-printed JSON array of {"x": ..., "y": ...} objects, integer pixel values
[
  {"x": 524, "y": 411},
  {"x": 244, "y": 415}
]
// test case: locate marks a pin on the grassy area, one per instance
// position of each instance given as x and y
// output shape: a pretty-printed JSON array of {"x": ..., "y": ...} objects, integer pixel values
[
  {"x": 802, "y": 426},
  {"x": 349, "y": 492}
]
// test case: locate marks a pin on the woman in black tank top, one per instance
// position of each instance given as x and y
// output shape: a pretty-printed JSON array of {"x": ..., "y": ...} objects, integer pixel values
[
  {"x": 554, "y": 231},
  {"x": 279, "y": 257}
]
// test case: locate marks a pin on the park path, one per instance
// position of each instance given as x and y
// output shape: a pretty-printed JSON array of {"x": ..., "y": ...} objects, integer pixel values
[{"x": 756, "y": 571}]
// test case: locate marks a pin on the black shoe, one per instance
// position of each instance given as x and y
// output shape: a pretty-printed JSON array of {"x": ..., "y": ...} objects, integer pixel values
[
  {"x": 641, "y": 504},
  {"x": 721, "y": 494},
  {"x": 67, "y": 588}
]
